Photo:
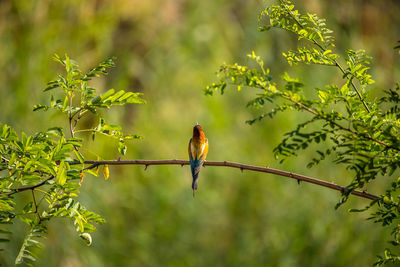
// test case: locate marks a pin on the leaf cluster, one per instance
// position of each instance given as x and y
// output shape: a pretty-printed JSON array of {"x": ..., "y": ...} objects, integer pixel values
[
  {"x": 75, "y": 88},
  {"x": 341, "y": 123},
  {"x": 49, "y": 165}
]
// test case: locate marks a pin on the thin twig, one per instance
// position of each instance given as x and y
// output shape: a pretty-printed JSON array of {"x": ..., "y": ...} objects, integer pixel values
[
  {"x": 94, "y": 165},
  {"x": 70, "y": 118},
  {"x": 80, "y": 114},
  {"x": 21, "y": 189},
  {"x": 36, "y": 205},
  {"x": 70, "y": 115},
  {"x": 76, "y": 121}
]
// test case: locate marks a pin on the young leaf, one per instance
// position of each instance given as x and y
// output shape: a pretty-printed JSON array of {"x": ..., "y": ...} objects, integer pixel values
[
  {"x": 61, "y": 177},
  {"x": 106, "y": 172},
  {"x": 87, "y": 238}
]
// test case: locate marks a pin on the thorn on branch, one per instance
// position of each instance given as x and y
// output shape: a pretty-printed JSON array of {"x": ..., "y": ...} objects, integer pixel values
[
  {"x": 241, "y": 169},
  {"x": 145, "y": 167},
  {"x": 298, "y": 181}
]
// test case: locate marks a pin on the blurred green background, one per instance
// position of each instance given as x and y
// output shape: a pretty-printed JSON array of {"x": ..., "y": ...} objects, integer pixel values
[{"x": 170, "y": 50}]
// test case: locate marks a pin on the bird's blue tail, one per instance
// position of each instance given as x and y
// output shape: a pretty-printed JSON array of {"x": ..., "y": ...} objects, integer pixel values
[
  {"x": 195, "y": 166},
  {"x": 194, "y": 183}
]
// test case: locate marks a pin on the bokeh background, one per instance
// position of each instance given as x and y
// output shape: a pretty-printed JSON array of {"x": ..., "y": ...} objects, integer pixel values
[{"x": 170, "y": 50}]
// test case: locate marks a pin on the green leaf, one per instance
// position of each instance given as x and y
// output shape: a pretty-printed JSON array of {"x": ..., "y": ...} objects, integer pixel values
[
  {"x": 94, "y": 173},
  {"x": 28, "y": 207},
  {"x": 51, "y": 85},
  {"x": 134, "y": 98},
  {"x": 3, "y": 231},
  {"x": 61, "y": 177},
  {"x": 107, "y": 94},
  {"x": 322, "y": 95},
  {"x": 79, "y": 156},
  {"x": 40, "y": 107},
  {"x": 96, "y": 100},
  {"x": 345, "y": 88},
  {"x": 122, "y": 148},
  {"x": 106, "y": 172},
  {"x": 79, "y": 222},
  {"x": 58, "y": 59},
  {"x": 25, "y": 254},
  {"x": 77, "y": 142},
  {"x": 65, "y": 103},
  {"x": 115, "y": 97}
]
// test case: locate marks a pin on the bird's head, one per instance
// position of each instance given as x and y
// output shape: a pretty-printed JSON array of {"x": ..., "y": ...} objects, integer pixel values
[{"x": 198, "y": 132}]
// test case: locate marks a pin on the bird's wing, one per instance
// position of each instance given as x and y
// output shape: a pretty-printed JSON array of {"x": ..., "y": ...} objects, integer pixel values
[
  {"x": 192, "y": 158},
  {"x": 190, "y": 150},
  {"x": 201, "y": 156},
  {"x": 204, "y": 153}
]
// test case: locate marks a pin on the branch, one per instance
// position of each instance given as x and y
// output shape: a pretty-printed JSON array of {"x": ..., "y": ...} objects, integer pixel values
[
  {"x": 338, "y": 125},
  {"x": 36, "y": 205},
  {"x": 146, "y": 163},
  {"x": 323, "y": 50},
  {"x": 242, "y": 167},
  {"x": 352, "y": 85},
  {"x": 21, "y": 189}
]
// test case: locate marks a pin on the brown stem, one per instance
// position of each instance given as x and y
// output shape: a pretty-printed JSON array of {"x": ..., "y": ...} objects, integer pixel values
[
  {"x": 80, "y": 113},
  {"x": 70, "y": 118},
  {"x": 36, "y": 205},
  {"x": 242, "y": 167},
  {"x": 21, "y": 189},
  {"x": 76, "y": 120}
]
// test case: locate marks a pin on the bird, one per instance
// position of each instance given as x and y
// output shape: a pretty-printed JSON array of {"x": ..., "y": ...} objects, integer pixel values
[{"x": 198, "y": 149}]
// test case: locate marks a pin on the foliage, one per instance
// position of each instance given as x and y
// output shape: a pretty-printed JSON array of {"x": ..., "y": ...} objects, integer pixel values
[
  {"x": 50, "y": 165},
  {"x": 169, "y": 51},
  {"x": 25, "y": 254},
  {"x": 361, "y": 133}
]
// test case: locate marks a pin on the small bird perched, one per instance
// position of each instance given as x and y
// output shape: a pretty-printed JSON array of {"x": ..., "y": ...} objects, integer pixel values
[{"x": 198, "y": 149}]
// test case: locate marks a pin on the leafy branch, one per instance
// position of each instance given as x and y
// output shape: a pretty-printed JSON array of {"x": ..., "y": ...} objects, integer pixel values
[
  {"x": 25, "y": 254},
  {"x": 44, "y": 160},
  {"x": 313, "y": 29},
  {"x": 342, "y": 124}
]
